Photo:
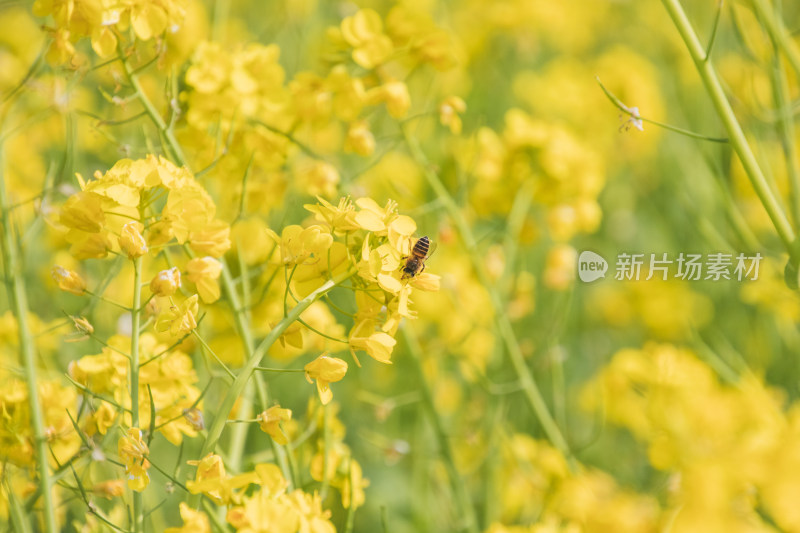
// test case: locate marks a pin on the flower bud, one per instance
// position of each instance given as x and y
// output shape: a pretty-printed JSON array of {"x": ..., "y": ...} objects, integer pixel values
[
  {"x": 398, "y": 100},
  {"x": 449, "y": 111},
  {"x": 359, "y": 139},
  {"x": 111, "y": 489},
  {"x": 68, "y": 280},
  {"x": 166, "y": 282},
  {"x": 131, "y": 240},
  {"x": 83, "y": 329},
  {"x": 194, "y": 417}
]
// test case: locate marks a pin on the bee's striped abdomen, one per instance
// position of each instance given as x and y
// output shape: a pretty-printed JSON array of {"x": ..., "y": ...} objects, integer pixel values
[{"x": 421, "y": 247}]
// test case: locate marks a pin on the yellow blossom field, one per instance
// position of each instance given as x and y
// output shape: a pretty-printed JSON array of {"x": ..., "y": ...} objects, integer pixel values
[{"x": 425, "y": 266}]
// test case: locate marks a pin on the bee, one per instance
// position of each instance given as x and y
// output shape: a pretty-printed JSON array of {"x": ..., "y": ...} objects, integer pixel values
[{"x": 415, "y": 263}]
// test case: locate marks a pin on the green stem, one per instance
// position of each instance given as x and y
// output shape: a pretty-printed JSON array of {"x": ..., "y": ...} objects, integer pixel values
[
  {"x": 136, "y": 316},
  {"x": 627, "y": 110},
  {"x": 466, "y": 512},
  {"x": 239, "y": 433},
  {"x": 150, "y": 109},
  {"x": 786, "y": 129},
  {"x": 735, "y": 133},
  {"x": 15, "y": 279},
  {"x": 775, "y": 27},
  {"x": 242, "y": 378},
  {"x": 714, "y": 28},
  {"x": 506, "y": 331}
]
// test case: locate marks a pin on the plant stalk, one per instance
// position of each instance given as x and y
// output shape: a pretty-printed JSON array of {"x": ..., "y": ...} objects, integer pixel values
[
  {"x": 735, "y": 133},
  {"x": 15, "y": 281},
  {"x": 136, "y": 317}
]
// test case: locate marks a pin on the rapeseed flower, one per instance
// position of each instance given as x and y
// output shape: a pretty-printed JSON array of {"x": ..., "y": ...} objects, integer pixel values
[
  {"x": 449, "y": 113},
  {"x": 180, "y": 319},
  {"x": 363, "y": 32},
  {"x": 270, "y": 423},
  {"x": 325, "y": 370},
  {"x": 204, "y": 273},
  {"x": 166, "y": 282},
  {"x": 193, "y": 521},
  {"x": 131, "y": 240},
  {"x": 133, "y": 451},
  {"x": 69, "y": 280},
  {"x": 212, "y": 480}
]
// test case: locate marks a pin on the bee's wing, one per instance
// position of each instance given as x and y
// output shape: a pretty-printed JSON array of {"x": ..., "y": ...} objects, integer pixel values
[{"x": 431, "y": 249}]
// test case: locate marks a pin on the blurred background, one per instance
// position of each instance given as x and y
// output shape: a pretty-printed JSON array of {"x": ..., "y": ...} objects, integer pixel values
[{"x": 675, "y": 399}]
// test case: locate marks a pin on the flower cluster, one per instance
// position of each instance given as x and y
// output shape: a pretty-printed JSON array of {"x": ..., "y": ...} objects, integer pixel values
[
  {"x": 102, "y": 21},
  {"x": 719, "y": 443},
  {"x": 566, "y": 174},
  {"x": 269, "y": 508},
  {"x": 167, "y": 380},
  {"x": 59, "y": 402}
]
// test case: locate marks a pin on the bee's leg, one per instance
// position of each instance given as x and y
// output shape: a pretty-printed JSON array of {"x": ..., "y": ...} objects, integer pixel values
[{"x": 423, "y": 268}]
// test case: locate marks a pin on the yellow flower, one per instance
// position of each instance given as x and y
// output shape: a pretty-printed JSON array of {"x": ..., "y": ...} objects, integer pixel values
[
  {"x": 359, "y": 139},
  {"x": 313, "y": 518},
  {"x": 413, "y": 28},
  {"x": 131, "y": 240},
  {"x": 61, "y": 48},
  {"x": 204, "y": 273},
  {"x": 364, "y": 33},
  {"x": 193, "y": 521},
  {"x": 166, "y": 282},
  {"x": 270, "y": 422},
  {"x": 426, "y": 282},
  {"x": 381, "y": 265},
  {"x": 262, "y": 512},
  {"x": 69, "y": 280},
  {"x": 189, "y": 208},
  {"x": 348, "y": 94},
  {"x": 210, "y": 470},
  {"x": 386, "y": 222},
  {"x": 213, "y": 238},
  {"x": 343, "y": 471},
  {"x": 325, "y": 370},
  {"x": 449, "y": 111},
  {"x": 298, "y": 245},
  {"x": 133, "y": 451},
  {"x": 212, "y": 480},
  {"x": 179, "y": 320},
  {"x": 100, "y": 19},
  {"x": 17, "y": 435},
  {"x": 317, "y": 177},
  {"x": 341, "y": 217},
  {"x": 378, "y": 345},
  {"x": 352, "y": 486},
  {"x": 272, "y": 509},
  {"x": 110, "y": 489},
  {"x": 394, "y": 94},
  {"x": 560, "y": 266},
  {"x": 83, "y": 211}
]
